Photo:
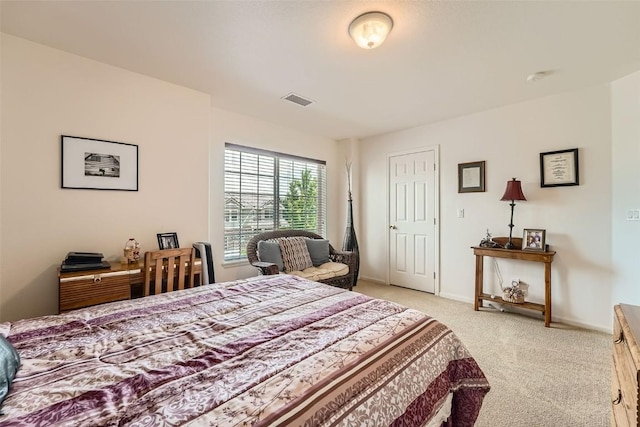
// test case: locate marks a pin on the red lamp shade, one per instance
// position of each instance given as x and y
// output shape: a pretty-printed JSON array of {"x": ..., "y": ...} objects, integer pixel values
[{"x": 513, "y": 191}]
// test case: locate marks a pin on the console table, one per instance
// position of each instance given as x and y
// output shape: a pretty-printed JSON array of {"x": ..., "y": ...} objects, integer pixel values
[
  {"x": 545, "y": 257},
  {"x": 121, "y": 281}
]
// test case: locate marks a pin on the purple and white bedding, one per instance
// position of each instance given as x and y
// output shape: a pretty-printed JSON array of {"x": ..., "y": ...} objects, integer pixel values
[{"x": 268, "y": 351}]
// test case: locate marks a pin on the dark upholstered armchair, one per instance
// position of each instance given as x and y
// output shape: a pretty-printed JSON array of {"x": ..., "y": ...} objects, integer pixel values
[{"x": 343, "y": 279}]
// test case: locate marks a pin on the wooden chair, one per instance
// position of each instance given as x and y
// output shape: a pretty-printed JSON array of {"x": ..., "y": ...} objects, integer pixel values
[{"x": 168, "y": 270}]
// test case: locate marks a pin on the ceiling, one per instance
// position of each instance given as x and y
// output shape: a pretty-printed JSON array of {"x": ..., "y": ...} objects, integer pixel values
[{"x": 441, "y": 60}]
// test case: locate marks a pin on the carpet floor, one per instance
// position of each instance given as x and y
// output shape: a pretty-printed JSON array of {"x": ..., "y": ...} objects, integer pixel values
[{"x": 556, "y": 377}]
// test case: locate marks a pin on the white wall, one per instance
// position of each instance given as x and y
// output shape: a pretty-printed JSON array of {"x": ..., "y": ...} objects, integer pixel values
[
  {"x": 625, "y": 113},
  {"x": 47, "y": 93},
  {"x": 510, "y": 139},
  {"x": 244, "y": 130}
]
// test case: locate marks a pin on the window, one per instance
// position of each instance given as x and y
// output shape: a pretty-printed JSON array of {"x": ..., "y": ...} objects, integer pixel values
[{"x": 266, "y": 191}]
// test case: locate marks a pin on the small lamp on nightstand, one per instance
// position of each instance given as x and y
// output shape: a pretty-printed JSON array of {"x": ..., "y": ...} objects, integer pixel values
[{"x": 513, "y": 192}]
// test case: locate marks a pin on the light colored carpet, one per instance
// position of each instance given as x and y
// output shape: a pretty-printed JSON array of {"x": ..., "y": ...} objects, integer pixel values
[{"x": 555, "y": 377}]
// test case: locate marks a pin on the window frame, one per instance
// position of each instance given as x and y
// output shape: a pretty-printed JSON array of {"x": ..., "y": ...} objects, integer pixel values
[{"x": 234, "y": 241}]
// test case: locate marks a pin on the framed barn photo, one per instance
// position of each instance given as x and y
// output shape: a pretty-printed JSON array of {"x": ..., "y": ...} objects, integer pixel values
[
  {"x": 534, "y": 239},
  {"x": 96, "y": 164}
]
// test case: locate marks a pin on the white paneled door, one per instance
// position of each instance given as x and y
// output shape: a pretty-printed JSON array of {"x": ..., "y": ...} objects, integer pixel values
[{"x": 412, "y": 220}]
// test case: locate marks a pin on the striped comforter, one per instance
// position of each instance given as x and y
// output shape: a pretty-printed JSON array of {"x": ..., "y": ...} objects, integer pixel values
[{"x": 267, "y": 351}]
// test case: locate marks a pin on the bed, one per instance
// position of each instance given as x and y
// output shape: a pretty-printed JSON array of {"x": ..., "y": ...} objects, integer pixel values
[{"x": 267, "y": 351}]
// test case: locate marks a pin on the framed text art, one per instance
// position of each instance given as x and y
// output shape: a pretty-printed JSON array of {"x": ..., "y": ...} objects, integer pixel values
[
  {"x": 534, "y": 239},
  {"x": 99, "y": 165},
  {"x": 471, "y": 177},
  {"x": 559, "y": 168}
]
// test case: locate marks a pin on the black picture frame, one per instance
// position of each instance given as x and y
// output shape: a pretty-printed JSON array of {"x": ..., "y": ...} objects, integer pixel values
[
  {"x": 98, "y": 164},
  {"x": 534, "y": 239},
  {"x": 168, "y": 241},
  {"x": 559, "y": 168},
  {"x": 471, "y": 177}
]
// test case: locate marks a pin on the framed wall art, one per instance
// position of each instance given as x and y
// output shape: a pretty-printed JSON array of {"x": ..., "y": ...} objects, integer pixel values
[
  {"x": 168, "y": 241},
  {"x": 97, "y": 164},
  {"x": 471, "y": 177},
  {"x": 534, "y": 239},
  {"x": 559, "y": 168}
]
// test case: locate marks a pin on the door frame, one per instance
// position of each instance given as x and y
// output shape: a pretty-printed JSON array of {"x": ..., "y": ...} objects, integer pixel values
[{"x": 436, "y": 185}]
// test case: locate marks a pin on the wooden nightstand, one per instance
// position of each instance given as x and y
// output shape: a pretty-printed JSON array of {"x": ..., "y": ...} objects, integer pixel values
[{"x": 80, "y": 289}]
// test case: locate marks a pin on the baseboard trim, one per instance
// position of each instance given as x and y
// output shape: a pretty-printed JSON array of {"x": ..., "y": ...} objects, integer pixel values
[
  {"x": 556, "y": 319},
  {"x": 371, "y": 279},
  {"x": 461, "y": 298},
  {"x": 456, "y": 297},
  {"x": 589, "y": 326}
]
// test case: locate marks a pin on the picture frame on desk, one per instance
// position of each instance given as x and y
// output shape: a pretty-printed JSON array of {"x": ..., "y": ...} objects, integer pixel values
[
  {"x": 168, "y": 241},
  {"x": 534, "y": 239}
]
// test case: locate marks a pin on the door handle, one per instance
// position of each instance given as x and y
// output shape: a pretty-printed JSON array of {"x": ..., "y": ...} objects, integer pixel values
[{"x": 393, "y": 227}]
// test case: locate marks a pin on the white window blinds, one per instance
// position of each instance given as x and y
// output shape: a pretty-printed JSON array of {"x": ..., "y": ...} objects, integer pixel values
[{"x": 267, "y": 191}]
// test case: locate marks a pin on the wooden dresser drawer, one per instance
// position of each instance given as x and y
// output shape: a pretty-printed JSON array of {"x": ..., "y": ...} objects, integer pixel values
[
  {"x": 92, "y": 289},
  {"x": 626, "y": 366},
  {"x": 618, "y": 413}
]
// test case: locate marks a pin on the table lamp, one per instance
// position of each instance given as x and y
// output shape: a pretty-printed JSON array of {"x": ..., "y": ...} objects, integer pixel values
[{"x": 513, "y": 192}]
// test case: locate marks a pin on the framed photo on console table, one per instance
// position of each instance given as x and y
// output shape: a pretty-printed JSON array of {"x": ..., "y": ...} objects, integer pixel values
[
  {"x": 96, "y": 164},
  {"x": 534, "y": 239},
  {"x": 559, "y": 168}
]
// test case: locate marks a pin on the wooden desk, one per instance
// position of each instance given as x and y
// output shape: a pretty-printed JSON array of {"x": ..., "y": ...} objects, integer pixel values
[
  {"x": 79, "y": 289},
  {"x": 534, "y": 256}
]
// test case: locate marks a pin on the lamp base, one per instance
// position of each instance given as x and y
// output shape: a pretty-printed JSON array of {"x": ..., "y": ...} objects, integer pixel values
[{"x": 509, "y": 245}]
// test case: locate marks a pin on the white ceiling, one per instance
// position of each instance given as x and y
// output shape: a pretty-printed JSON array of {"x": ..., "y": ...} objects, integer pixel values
[{"x": 442, "y": 59}]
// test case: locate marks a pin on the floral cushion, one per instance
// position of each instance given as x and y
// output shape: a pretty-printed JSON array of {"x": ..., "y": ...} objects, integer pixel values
[{"x": 295, "y": 253}]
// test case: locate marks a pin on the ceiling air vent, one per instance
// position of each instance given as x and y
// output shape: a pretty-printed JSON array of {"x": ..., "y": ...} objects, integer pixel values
[{"x": 297, "y": 99}]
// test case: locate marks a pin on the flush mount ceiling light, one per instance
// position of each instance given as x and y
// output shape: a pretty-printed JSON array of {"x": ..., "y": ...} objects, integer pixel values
[{"x": 370, "y": 29}]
